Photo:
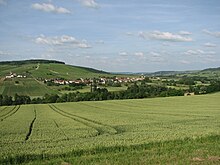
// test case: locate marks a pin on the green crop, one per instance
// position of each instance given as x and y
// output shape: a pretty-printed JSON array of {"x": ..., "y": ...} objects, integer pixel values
[{"x": 173, "y": 130}]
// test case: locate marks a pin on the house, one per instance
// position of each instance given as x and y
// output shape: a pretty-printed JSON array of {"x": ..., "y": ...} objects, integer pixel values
[{"x": 11, "y": 76}]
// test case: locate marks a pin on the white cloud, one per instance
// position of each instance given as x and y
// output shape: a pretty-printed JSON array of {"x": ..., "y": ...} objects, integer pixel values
[
  {"x": 167, "y": 44},
  {"x": 154, "y": 54},
  {"x": 123, "y": 53},
  {"x": 184, "y": 62},
  {"x": 3, "y": 53},
  {"x": 184, "y": 33},
  {"x": 83, "y": 45},
  {"x": 165, "y": 36},
  {"x": 139, "y": 54},
  {"x": 129, "y": 34},
  {"x": 89, "y": 3},
  {"x": 63, "y": 40},
  {"x": 191, "y": 52},
  {"x": 211, "y": 52},
  {"x": 208, "y": 44},
  {"x": 215, "y": 34},
  {"x": 100, "y": 42},
  {"x": 47, "y": 7},
  {"x": 199, "y": 52},
  {"x": 156, "y": 57},
  {"x": 3, "y": 2}
]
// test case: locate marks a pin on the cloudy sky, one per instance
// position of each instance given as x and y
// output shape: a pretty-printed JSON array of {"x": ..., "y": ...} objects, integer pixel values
[{"x": 113, "y": 35}]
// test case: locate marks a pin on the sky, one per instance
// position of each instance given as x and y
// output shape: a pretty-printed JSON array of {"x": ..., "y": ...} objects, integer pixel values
[{"x": 113, "y": 35}]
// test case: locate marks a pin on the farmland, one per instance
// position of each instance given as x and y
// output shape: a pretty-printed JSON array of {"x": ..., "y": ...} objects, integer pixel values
[
  {"x": 25, "y": 86},
  {"x": 29, "y": 77},
  {"x": 142, "y": 131}
]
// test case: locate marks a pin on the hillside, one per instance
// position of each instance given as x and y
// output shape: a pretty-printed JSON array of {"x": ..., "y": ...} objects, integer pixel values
[
  {"x": 169, "y": 73},
  {"x": 31, "y": 71},
  {"x": 48, "y": 69},
  {"x": 211, "y": 72}
]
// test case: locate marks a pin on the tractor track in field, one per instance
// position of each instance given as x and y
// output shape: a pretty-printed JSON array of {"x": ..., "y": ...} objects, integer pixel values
[
  {"x": 121, "y": 111},
  {"x": 7, "y": 112},
  {"x": 99, "y": 127},
  {"x": 3, "y": 109},
  {"x": 75, "y": 119},
  {"x": 67, "y": 138},
  {"x": 158, "y": 113},
  {"x": 89, "y": 120},
  {"x": 31, "y": 125},
  {"x": 10, "y": 113},
  {"x": 93, "y": 106},
  {"x": 114, "y": 111}
]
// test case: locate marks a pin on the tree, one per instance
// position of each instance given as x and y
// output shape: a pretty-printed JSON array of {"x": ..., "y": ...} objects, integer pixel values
[{"x": 7, "y": 100}]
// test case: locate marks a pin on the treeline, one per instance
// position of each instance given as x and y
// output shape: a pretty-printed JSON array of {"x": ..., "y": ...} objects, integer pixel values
[
  {"x": 17, "y": 100},
  {"x": 201, "y": 89},
  {"x": 35, "y": 61},
  {"x": 133, "y": 92}
]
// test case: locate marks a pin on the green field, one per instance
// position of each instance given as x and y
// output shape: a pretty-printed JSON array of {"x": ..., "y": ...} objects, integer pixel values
[
  {"x": 37, "y": 72},
  {"x": 173, "y": 130},
  {"x": 52, "y": 70},
  {"x": 25, "y": 86}
]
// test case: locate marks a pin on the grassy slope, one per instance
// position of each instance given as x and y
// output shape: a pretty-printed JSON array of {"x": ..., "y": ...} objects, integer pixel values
[
  {"x": 213, "y": 73},
  {"x": 174, "y": 130},
  {"x": 34, "y": 88},
  {"x": 63, "y": 71},
  {"x": 51, "y": 71},
  {"x": 26, "y": 86}
]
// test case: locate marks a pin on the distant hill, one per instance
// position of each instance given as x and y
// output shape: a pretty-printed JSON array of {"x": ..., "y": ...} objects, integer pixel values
[
  {"x": 32, "y": 61},
  {"x": 168, "y": 73},
  {"x": 48, "y": 69},
  {"x": 210, "y": 72},
  {"x": 211, "y": 69},
  {"x": 33, "y": 72}
]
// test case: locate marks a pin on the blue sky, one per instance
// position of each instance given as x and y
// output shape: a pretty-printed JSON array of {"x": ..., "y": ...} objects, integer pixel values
[{"x": 116, "y": 35}]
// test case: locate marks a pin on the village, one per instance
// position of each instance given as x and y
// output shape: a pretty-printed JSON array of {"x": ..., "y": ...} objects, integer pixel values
[
  {"x": 14, "y": 75},
  {"x": 100, "y": 80},
  {"x": 85, "y": 81}
]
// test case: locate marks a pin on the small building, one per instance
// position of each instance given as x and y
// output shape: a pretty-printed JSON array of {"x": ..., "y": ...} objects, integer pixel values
[{"x": 11, "y": 76}]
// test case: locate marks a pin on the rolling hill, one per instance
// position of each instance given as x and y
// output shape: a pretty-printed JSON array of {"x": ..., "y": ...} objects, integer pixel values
[
  {"x": 210, "y": 72},
  {"x": 33, "y": 70},
  {"x": 48, "y": 69}
]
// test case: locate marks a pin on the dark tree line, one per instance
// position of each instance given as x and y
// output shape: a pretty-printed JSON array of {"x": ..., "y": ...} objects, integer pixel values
[
  {"x": 201, "y": 89},
  {"x": 17, "y": 100},
  {"x": 133, "y": 92},
  {"x": 30, "y": 62}
]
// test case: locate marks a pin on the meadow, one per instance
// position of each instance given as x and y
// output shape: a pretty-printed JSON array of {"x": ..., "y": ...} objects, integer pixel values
[{"x": 171, "y": 130}]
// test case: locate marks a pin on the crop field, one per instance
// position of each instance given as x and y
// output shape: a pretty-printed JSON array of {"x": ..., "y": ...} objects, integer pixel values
[
  {"x": 172, "y": 130},
  {"x": 24, "y": 86}
]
